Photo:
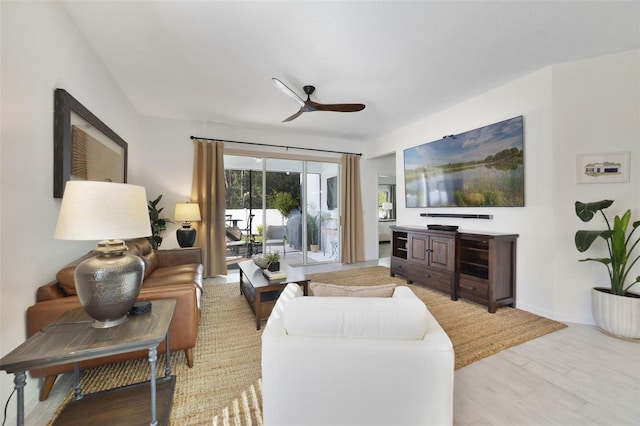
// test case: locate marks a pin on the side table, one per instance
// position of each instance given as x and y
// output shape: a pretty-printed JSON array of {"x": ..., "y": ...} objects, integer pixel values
[{"x": 71, "y": 339}]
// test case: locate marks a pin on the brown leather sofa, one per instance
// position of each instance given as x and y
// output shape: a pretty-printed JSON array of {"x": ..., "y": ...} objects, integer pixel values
[{"x": 169, "y": 274}]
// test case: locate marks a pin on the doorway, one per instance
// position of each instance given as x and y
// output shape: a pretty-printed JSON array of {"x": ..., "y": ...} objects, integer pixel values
[{"x": 285, "y": 205}]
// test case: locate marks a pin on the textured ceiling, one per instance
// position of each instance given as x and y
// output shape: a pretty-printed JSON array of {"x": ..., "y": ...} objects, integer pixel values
[{"x": 214, "y": 60}]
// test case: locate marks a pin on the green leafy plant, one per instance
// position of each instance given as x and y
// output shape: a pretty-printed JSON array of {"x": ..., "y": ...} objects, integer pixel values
[
  {"x": 284, "y": 202},
  {"x": 620, "y": 245},
  {"x": 158, "y": 224},
  {"x": 313, "y": 224},
  {"x": 272, "y": 257}
]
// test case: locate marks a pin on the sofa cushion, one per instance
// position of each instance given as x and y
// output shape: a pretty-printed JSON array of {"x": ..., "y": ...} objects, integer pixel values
[
  {"x": 334, "y": 290},
  {"x": 142, "y": 248},
  {"x": 356, "y": 317},
  {"x": 182, "y": 274}
]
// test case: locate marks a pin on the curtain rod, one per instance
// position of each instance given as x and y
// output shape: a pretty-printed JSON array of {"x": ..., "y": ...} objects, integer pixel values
[{"x": 278, "y": 146}]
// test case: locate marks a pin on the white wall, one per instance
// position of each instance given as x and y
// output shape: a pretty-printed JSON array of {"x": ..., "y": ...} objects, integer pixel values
[
  {"x": 596, "y": 108},
  {"x": 41, "y": 50},
  {"x": 580, "y": 107}
]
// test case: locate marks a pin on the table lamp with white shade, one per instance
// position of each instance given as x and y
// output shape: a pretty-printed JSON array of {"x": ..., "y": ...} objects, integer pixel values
[
  {"x": 107, "y": 284},
  {"x": 186, "y": 213},
  {"x": 384, "y": 210}
]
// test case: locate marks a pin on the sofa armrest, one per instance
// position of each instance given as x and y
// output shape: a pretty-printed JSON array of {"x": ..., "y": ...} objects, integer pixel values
[
  {"x": 181, "y": 256},
  {"x": 44, "y": 313},
  {"x": 184, "y": 324},
  {"x": 403, "y": 292},
  {"x": 49, "y": 291}
]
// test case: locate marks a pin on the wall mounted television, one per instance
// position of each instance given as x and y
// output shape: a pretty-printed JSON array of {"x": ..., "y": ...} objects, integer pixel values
[{"x": 479, "y": 168}]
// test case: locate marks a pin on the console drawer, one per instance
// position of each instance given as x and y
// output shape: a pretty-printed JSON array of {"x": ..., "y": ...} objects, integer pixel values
[
  {"x": 438, "y": 280},
  {"x": 399, "y": 266},
  {"x": 473, "y": 289}
]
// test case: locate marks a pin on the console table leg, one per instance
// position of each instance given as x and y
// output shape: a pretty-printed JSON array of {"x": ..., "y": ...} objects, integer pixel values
[
  {"x": 258, "y": 303},
  {"x": 153, "y": 356},
  {"x": 167, "y": 363},
  {"x": 20, "y": 380},
  {"x": 77, "y": 390}
]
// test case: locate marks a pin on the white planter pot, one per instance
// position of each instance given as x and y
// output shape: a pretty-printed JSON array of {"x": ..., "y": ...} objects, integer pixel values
[{"x": 616, "y": 315}]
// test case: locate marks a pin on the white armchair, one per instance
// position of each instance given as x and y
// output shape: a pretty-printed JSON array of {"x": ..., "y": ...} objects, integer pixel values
[{"x": 355, "y": 361}]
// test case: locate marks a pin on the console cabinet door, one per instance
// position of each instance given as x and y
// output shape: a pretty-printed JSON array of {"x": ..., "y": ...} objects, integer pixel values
[
  {"x": 419, "y": 248},
  {"x": 434, "y": 251},
  {"x": 442, "y": 253}
]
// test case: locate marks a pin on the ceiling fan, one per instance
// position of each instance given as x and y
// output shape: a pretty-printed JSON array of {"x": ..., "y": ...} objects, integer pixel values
[{"x": 309, "y": 105}]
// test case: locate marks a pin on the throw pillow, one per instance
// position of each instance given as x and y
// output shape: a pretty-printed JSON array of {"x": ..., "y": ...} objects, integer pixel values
[{"x": 334, "y": 290}]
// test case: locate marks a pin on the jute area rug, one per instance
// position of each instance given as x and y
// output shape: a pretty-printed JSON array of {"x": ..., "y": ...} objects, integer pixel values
[
  {"x": 474, "y": 332},
  {"x": 224, "y": 386}
]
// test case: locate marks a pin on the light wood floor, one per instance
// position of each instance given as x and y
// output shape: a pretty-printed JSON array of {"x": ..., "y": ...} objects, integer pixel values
[{"x": 575, "y": 376}]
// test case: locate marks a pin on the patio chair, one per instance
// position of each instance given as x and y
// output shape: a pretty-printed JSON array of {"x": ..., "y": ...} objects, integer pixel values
[
  {"x": 276, "y": 236},
  {"x": 235, "y": 241}
]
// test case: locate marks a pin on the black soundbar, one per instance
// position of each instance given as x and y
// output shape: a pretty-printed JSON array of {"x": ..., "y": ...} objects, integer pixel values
[{"x": 458, "y": 216}]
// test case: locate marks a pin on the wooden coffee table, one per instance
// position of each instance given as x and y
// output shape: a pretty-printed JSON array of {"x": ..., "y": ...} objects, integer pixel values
[
  {"x": 71, "y": 339},
  {"x": 262, "y": 293}
]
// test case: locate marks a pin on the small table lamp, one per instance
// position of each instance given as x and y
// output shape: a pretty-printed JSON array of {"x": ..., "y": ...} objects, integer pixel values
[
  {"x": 386, "y": 206},
  {"x": 186, "y": 213},
  {"x": 107, "y": 284}
]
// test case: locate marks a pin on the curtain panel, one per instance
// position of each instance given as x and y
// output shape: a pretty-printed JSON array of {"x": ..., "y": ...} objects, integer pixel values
[
  {"x": 351, "y": 211},
  {"x": 208, "y": 191}
]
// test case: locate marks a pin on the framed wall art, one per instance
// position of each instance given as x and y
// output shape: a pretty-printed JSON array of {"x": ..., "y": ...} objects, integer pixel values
[
  {"x": 84, "y": 148},
  {"x": 612, "y": 167},
  {"x": 479, "y": 168}
]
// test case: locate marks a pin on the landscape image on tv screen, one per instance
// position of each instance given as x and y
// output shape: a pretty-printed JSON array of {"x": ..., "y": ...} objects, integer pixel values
[{"x": 479, "y": 168}]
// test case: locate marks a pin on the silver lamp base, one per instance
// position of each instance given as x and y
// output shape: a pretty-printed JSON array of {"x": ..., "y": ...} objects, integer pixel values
[{"x": 108, "y": 284}]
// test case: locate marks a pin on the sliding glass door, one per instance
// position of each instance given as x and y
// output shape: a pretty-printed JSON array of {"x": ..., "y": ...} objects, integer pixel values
[
  {"x": 322, "y": 211},
  {"x": 284, "y": 205}
]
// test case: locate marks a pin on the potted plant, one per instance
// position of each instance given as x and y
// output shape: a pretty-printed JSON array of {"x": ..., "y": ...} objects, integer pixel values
[
  {"x": 158, "y": 224},
  {"x": 312, "y": 228},
  {"x": 273, "y": 260},
  {"x": 615, "y": 309}
]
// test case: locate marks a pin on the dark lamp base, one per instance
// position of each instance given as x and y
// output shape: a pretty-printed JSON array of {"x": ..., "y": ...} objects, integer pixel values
[{"x": 186, "y": 237}]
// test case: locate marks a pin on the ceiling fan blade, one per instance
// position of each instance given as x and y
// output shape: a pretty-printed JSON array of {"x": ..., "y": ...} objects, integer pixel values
[
  {"x": 283, "y": 87},
  {"x": 294, "y": 116},
  {"x": 338, "y": 107}
]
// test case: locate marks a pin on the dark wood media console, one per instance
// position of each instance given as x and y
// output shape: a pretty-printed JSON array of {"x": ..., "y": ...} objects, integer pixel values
[{"x": 477, "y": 266}]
